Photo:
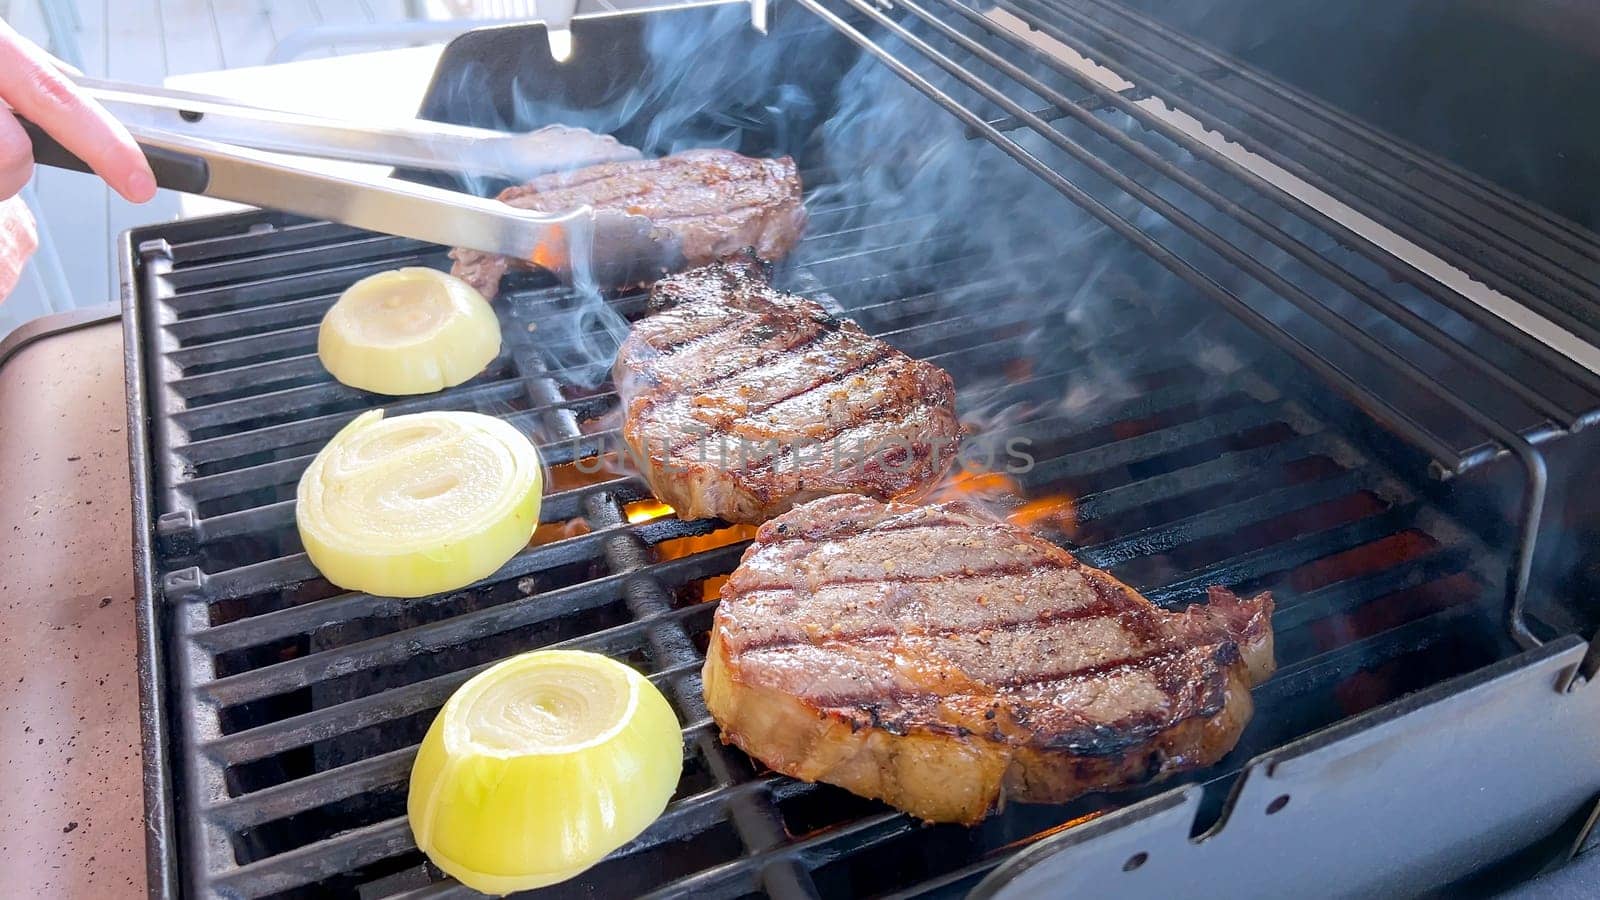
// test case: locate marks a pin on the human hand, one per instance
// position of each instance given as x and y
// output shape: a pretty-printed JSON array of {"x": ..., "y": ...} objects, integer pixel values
[
  {"x": 33, "y": 87},
  {"x": 18, "y": 240}
]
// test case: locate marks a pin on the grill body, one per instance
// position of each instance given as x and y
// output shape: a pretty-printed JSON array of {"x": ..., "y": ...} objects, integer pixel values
[{"x": 1173, "y": 444}]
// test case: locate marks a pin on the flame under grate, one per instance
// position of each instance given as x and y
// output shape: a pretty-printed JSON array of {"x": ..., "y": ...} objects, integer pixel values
[{"x": 302, "y": 704}]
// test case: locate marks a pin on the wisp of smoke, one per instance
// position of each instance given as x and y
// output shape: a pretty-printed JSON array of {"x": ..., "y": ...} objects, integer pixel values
[{"x": 905, "y": 203}]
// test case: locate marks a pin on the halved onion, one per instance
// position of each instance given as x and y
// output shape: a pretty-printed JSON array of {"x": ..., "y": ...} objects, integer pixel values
[
  {"x": 539, "y": 767},
  {"x": 409, "y": 331},
  {"x": 418, "y": 504}
]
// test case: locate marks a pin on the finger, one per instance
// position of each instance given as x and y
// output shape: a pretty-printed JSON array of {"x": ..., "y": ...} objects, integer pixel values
[
  {"x": 63, "y": 65},
  {"x": 16, "y": 156},
  {"x": 33, "y": 87}
]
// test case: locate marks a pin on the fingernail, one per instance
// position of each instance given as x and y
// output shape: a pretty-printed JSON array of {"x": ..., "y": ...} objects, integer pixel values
[{"x": 141, "y": 186}]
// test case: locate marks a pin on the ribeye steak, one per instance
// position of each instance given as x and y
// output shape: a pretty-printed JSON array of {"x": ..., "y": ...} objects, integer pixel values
[
  {"x": 942, "y": 660},
  {"x": 741, "y": 400},
  {"x": 715, "y": 202}
]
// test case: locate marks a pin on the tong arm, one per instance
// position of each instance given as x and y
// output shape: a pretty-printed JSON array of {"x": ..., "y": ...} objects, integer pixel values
[
  {"x": 434, "y": 146},
  {"x": 377, "y": 203}
]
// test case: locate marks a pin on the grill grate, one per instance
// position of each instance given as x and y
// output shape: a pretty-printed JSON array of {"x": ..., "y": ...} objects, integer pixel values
[
  {"x": 303, "y": 704},
  {"x": 962, "y": 59},
  {"x": 1542, "y": 262},
  {"x": 288, "y": 711}
]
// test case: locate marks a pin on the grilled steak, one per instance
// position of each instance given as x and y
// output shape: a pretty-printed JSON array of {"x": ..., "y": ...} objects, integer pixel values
[
  {"x": 942, "y": 660},
  {"x": 742, "y": 400},
  {"x": 716, "y": 202}
]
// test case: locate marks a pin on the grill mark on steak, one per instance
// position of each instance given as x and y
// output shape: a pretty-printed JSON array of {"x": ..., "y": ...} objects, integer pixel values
[
  {"x": 885, "y": 456},
  {"x": 995, "y": 598},
  {"x": 1018, "y": 568},
  {"x": 945, "y": 514},
  {"x": 1138, "y": 655},
  {"x": 827, "y": 639},
  {"x": 737, "y": 397},
  {"x": 874, "y": 555},
  {"x": 899, "y": 373},
  {"x": 917, "y": 710},
  {"x": 726, "y": 376},
  {"x": 1005, "y": 717},
  {"x": 1145, "y": 661},
  {"x": 771, "y": 352},
  {"x": 721, "y": 427},
  {"x": 1003, "y": 695},
  {"x": 657, "y": 371},
  {"x": 691, "y": 311},
  {"x": 908, "y": 524},
  {"x": 718, "y": 333},
  {"x": 982, "y": 662}
]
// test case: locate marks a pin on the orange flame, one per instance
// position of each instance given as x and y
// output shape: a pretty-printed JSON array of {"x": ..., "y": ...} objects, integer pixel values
[
  {"x": 546, "y": 257},
  {"x": 983, "y": 487},
  {"x": 1002, "y": 494},
  {"x": 711, "y": 588},
  {"x": 583, "y": 473},
  {"x": 1055, "y": 511},
  {"x": 645, "y": 510},
  {"x": 1048, "y": 832},
  {"x": 551, "y": 532},
  {"x": 677, "y": 548}
]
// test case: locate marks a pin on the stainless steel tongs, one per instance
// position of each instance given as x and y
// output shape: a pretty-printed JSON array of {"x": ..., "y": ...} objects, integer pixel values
[{"x": 214, "y": 146}]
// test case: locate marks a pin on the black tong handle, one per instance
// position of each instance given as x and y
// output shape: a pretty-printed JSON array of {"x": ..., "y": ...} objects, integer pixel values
[{"x": 173, "y": 170}]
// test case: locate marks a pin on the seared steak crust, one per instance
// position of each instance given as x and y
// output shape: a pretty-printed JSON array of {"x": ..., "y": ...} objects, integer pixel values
[
  {"x": 716, "y": 202},
  {"x": 941, "y": 660},
  {"x": 742, "y": 400}
]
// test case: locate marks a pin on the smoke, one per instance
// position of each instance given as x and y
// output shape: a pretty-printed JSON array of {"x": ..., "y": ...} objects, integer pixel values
[
  {"x": 923, "y": 207},
  {"x": 681, "y": 97},
  {"x": 925, "y": 233}
]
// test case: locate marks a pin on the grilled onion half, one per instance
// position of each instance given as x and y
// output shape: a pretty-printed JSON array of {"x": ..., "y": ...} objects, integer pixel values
[
  {"x": 418, "y": 504},
  {"x": 409, "y": 331},
  {"x": 539, "y": 767}
]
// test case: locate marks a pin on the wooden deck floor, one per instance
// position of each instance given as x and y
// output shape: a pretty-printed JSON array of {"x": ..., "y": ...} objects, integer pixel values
[{"x": 146, "y": 41}]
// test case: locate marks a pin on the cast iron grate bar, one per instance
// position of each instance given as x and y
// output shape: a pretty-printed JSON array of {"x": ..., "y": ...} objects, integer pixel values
[
  {"x": 1222, "y": 520},
  {"x": 1224, "y": 469},
  {"x": 276, "y": 737},
  {"x": 361, "y": 248}
]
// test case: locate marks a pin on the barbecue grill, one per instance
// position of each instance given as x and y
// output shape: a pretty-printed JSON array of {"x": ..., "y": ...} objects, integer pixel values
[{"x": 1245, "y": 340}]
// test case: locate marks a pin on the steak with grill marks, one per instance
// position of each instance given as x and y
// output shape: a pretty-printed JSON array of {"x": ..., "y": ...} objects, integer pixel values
[
  {"x": 942, "y": 660},
  {"x": 742, "y": 400},
  {"x": 715, "y": 202}
]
